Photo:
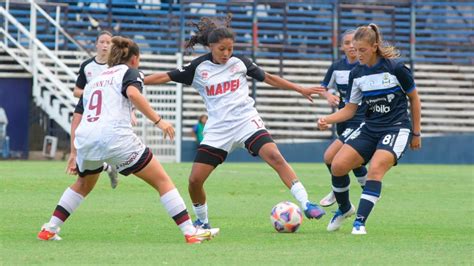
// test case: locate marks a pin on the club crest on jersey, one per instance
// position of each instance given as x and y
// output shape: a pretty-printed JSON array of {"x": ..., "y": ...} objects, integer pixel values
[
  {"x": 234, "y": 69},
  {"x": 386, "y": 80},
  {"x": 204, "y": 74},
  {"x": 221, "y": 88}
]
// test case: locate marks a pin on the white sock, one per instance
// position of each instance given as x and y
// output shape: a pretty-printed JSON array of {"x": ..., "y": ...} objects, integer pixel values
[
  {"x": 201, "y": 212},
  {"x": 299, "y": 192},
  {"x": 70, "y": 200},
  {"x": 107, "y": 167},
  {"x": 174, "y": 205}
]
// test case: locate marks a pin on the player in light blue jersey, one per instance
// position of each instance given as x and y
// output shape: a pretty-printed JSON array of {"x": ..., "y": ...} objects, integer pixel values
[
  {"x": 383, "y": 83},
  {"x": 336, "y": 80}
]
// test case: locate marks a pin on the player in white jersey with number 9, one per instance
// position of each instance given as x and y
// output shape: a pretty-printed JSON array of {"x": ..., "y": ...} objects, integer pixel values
[
  {"x": 105, "y": 134},
  {"x": 221, "y": 79}
]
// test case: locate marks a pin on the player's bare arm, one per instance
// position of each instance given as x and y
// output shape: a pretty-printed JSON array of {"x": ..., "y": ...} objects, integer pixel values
[
  {"x": 143, "y": 106},
  {"x": 281, "y": 83},
  {"x": 415, "y": 110},
  {"x": 157, "y": 78},
  {"x": 342, "y": 115}
]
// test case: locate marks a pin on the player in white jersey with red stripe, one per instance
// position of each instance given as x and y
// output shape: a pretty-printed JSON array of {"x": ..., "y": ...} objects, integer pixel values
[
  {"x": 90, "y": 69},
  {"x": 106, "y": 134},
  {"x": 221, "y": 79}
]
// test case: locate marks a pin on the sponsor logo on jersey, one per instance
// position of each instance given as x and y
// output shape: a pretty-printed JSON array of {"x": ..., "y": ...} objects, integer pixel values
[
  {"x": 204, "y": 74},
  {"x": 380, "y": 108},
  {"x": 89, "y": 74},
  {"x": 221, "y": 88},
  {"x": 390, "y": 97}
]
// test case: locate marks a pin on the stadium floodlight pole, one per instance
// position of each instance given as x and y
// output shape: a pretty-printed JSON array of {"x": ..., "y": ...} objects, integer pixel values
[{"x": 254, "y": 46}]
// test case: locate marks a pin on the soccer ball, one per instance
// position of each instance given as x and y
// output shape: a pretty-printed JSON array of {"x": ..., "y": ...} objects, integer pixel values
[{"x": 286, "y": 217}]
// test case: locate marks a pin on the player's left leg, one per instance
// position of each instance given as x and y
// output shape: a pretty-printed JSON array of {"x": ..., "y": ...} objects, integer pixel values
[
  {"x": 381, "y": 162},
  {"x": 269, "y": 152},
  {"x": 390, "y": 148}
]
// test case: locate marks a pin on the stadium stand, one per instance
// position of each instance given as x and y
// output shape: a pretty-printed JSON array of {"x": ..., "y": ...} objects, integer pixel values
[{"x": 295, "y": 39}]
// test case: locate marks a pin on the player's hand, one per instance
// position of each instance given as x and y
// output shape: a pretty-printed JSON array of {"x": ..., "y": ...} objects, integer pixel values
[
  {"x": 307, "y": 92},
  {"x": 322, "y": 124},
  {"x": 167, "y": 129},
  {"x": 415, "y": 143},
  {"x": 71, "y": 168},
  {"x": 332, "y": 99},
  {"x": 134, "y": 118}
]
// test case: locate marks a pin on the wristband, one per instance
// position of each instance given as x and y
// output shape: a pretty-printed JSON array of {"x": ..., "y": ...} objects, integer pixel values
[
  {"x": 416, "y": 134},
  {"x": 157, "y": 122}
]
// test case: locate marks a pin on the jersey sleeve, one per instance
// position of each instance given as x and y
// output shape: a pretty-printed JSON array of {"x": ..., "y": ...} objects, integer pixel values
[
  {"x": 253, "y": 70},
  {"x": 405, "y": 77},
  {"x": 329, "y": 79},
  {"x": 81, "y": 80},
  {"x": 185, "y": 74},
  {"x": 79, "y": 106},
  {"x": 354, "y": 93},
  {"x": 134, "y": 78}
]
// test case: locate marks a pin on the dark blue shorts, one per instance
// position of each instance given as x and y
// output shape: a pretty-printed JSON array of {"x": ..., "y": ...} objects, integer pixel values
[
  {"x": 366, "y": 142},
  {"x": 348, "y": 130}
]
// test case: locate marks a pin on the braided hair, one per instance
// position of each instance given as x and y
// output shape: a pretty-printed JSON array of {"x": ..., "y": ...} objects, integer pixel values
[{"x": 211, "y": 30}]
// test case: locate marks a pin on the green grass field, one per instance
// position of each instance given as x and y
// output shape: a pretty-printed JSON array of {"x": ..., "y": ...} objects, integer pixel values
[{"x": 425, "y": 216}]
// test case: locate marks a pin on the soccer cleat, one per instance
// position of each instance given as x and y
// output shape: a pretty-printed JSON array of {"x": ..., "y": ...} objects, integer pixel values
[
  {"x": 201, "y": 235},
  {"x": 359, "y": 228},
  {"x": 49, "y": 233},
  {"x": 112, "y": 172},
  {"x": 338, "y": 218},
  {"x": 199, "y": 224},
  {"x": 313, "y": 211},
  {"x": 329, "y": 200}
]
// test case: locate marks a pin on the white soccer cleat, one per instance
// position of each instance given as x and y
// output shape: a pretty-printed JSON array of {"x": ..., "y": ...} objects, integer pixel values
[
  {"x": 113, "y": 175},
  {"x": 329, "y": 200},
  {"x": 339, "y": 218},
  {"x": 48, "y": 233},
  {"x": 359, "y": 228}
]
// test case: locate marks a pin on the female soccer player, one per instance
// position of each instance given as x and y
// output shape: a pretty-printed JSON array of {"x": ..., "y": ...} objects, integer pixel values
[
  {"x": 337, "y": 78},
  {"x": 383, "y": 83},
  {"x": 106, "y": 134},
  {"x": 221, "y": 79},
  {"x": 90, "y": 69}
]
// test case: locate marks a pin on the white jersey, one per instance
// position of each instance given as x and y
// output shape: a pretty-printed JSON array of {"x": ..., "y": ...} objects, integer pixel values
[
  {"x": 88, "y": 71},
  {"x": 106, "y": 121},
  {"x": 223, "y": 88}
]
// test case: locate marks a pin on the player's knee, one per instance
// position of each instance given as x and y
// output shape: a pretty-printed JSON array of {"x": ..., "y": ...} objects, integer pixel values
[
  {"x": 339, "y": 168},
  {"x": 328, "y": 156},
  {"x": 276, "y": 160},
  {"x": 195, "y": 181}
]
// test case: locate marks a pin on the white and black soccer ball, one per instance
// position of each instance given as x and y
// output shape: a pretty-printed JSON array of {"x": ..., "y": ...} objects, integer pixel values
[{"x": 286, "y": 217}]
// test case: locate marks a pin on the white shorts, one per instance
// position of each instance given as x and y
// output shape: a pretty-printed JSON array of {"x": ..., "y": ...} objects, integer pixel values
[
  {"x": 236, "y": 136},
  {"x": 123, "y": 154}
]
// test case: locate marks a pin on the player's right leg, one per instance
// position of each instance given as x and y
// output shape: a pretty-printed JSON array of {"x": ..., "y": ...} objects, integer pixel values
[
  {"x": 329, "y": 154},
  {"x": 345, "y": 160},
  {"x": 206, "y": 160},
  {"x": 154, "y": 174},
  {"x": 70, "y": 200}
]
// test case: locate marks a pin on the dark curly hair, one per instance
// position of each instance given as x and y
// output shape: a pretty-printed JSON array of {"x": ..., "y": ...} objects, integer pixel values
[{"x": 211, "y": 30}]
